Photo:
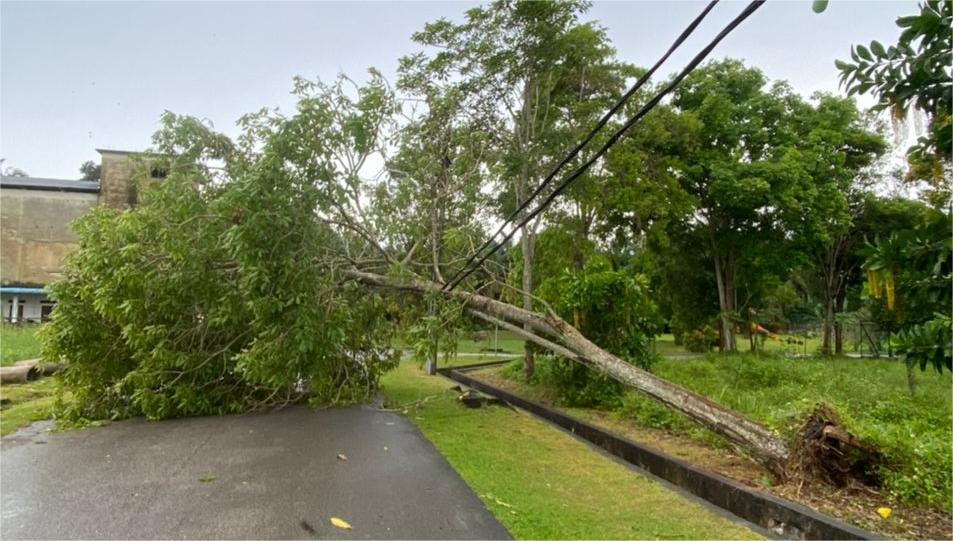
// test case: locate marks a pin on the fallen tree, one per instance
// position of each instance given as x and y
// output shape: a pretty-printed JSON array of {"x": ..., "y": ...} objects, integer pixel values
[{"x": 758, "y": 441}]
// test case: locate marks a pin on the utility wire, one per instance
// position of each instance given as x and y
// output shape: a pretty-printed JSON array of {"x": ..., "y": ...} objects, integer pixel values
[
  {"x": 592, "y": 133},
  {"x": 751, "y": 8}
]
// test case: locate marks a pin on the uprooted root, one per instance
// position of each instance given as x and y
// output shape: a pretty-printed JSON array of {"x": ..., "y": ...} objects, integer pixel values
[{"x": 825, "y": 451}]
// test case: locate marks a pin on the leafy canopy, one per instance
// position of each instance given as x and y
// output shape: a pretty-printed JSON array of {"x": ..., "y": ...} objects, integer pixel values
[{"x": 223, "y": 290}]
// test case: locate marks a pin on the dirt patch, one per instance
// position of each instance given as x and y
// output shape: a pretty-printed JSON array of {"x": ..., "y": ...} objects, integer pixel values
[{"x": 853, "y": 503}]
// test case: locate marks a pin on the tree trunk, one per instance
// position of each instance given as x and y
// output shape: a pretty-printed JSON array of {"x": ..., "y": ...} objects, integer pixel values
[
  {"x": 527, "y": 239},
  {"x": 725, "y": 277},
  {"x": 762, "y": 444},
  {"x": 828, "y": 324},
  {"x": 838, "y": 327},
  {"x": 528, "y": 247}
]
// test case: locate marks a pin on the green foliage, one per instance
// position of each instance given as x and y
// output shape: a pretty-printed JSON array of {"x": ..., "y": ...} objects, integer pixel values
[
  {"x": 90, "y": 170},
  {"x": 222, "y": 291},
  {"x": 742, "y": 175},
  {"x": 909, "y": 276},
  {"x": 440, "y": 332},
  {"x": 914, "y": 72},
  {"x": 700, "y": 340},
  {"x": 614, "y": 310}
]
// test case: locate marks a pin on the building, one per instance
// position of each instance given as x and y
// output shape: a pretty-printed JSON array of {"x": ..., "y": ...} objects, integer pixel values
[{"x": 35, "y": 233}]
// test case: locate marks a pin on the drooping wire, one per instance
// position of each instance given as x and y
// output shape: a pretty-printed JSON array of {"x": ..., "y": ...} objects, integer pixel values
[
  {"x": 751, "y": 8},
  {"x": 592, "y": 133}
]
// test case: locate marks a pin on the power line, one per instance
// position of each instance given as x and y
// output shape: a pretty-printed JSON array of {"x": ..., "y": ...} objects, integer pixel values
[
  {"x": 592, "y": 133},
  {"x": 751, "y": 8}
]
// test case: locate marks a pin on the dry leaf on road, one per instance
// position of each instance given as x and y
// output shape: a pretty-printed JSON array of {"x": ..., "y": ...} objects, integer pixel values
[{"x": 338, "y": 523}]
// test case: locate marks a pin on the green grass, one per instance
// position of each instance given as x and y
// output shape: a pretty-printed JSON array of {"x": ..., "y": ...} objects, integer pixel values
[
  {"x": 914, "y": 431},
  {"x": 24, "y": 403},
  {"x": 18, "y": 342},
  {"x": 542, "y": 483},
  {"x": 809, "y": 345},
  {"x": 508, "y": 341}
]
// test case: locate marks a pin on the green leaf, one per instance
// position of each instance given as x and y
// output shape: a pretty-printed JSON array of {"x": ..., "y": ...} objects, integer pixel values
[
  {"x": 819, "y": 6},
  {"x": 878, "y": 49},
  {"x": 864, "y": 53}
]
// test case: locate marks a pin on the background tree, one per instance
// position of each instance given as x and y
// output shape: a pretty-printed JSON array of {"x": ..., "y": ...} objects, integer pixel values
[
  {"x": 90, "y": 171},
  {"x": 10, "y": 171},
  {"x": 839, "y": 146},
  {"x": 521, "y": 68}
]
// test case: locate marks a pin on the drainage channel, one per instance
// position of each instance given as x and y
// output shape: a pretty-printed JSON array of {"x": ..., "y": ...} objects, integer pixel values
[{"x": 782, "y": 517}]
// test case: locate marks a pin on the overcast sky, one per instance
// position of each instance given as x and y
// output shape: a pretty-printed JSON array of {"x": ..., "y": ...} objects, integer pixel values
[{"x": 78, "y": 76}]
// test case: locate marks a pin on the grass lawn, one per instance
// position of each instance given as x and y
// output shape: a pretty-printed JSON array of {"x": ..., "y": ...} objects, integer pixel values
[
  {"x": 508, "y": 341},
  {"x": 539, "y": 481},
  {"x": 785, "y": 344},
  {"x": 24, "y": 403},
  {"x": 913, "y": 431},
  {"x": 18, "y": 342}
]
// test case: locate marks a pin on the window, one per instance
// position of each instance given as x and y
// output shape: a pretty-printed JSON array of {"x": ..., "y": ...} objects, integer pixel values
[{"x": 46, "y": 308}]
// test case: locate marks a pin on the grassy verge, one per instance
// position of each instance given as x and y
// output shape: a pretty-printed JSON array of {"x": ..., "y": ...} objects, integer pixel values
[
  {"x": 913, "y": 430},
  {"x": 658, "y": 427},
  {"x": 25, "y": 403},
  {"x": 542, "y": 483},
  {"x": 18, "y": 342}
]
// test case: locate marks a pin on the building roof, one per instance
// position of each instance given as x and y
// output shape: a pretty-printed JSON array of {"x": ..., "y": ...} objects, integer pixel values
[
  {"x": 117, "y": 151},
  {"x": 49, "y": 184}
]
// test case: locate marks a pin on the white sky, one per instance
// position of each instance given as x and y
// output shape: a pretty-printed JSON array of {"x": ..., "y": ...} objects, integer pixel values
[{"x": 77, "y": 76}]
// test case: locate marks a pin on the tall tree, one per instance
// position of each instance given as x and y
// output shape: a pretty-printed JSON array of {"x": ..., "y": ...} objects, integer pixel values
[
  {"x": 522, "y": 69},
  {"x": 838, "y": 146},
  {"x": 741, "y": 169}
]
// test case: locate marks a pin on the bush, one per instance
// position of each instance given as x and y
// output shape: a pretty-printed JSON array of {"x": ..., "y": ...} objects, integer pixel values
[
  {"x": 614, "y": 310},
  {"x": 700, "y": 340}
]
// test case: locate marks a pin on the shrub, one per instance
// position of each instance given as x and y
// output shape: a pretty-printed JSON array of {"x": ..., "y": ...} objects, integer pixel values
[
  {"x": 614, "y": 310},
  {"x": 700, "y": 340}
]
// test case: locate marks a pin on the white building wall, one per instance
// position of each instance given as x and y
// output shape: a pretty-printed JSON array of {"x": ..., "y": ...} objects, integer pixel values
[{"x": 31, "y": 303}]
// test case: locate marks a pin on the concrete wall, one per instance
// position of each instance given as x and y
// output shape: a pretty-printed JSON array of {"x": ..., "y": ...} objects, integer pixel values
[
  {"x": 35, "y": 234},
  {"x": 117, "y": 187}
]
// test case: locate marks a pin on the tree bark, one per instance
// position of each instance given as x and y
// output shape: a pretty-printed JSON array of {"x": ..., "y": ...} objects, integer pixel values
[
  {"x": 838, "y": 327},
  {"x": 527, "y": 239},
  {"x": 826, "y": 348},
  {"x": 725, "y": 278},
  {"x": 760, "y": 442},
  {"x": 528, "y": 247}
]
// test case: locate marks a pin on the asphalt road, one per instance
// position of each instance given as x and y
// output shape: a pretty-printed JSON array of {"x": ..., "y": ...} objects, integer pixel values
[{"x": 258, "y": 476}]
